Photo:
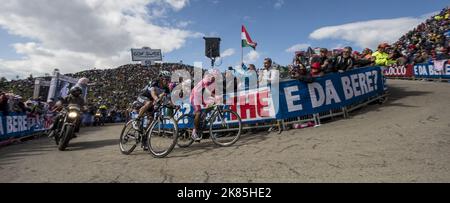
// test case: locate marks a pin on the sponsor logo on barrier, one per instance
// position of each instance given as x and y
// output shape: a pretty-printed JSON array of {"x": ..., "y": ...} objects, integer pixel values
[
  {"x": 23, "y": 125},
  {"x": 356, "y": 85},
  {"x": 321, "y": 95},
  {"x": 16, "y": 124},
  {"x": 429, "y": 71},
  {"x": 330, "y": 92},
  {"x": 398, "y": 71},
  {"x": 254, "y": 105}
]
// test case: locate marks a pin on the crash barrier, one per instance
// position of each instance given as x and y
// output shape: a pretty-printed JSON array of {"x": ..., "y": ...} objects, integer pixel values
[
  {"x": 295, "y": 101},
  {"x": 433, "y": 70},
  {"x": 19, "y": 125},
  {"x": 16, "y": 126}
]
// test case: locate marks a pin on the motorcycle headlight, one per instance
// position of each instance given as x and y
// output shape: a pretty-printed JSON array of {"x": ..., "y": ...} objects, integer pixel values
[
  {"x": 73, "y": 114},
  {"x": 97, "y": 114}
]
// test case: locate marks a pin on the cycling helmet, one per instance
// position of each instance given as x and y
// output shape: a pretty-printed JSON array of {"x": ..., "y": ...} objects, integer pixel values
[
  {"x": 164, "y": 74},
  {"x": 76, "y": 91}
]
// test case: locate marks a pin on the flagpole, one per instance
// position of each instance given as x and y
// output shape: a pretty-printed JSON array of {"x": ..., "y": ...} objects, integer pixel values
[
  {"x": 242, "y": 54},
  {"x": 242, "y": 48}
]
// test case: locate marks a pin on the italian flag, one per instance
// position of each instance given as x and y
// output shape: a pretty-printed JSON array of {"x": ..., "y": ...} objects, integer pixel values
[{"x": 246, "y": 40}]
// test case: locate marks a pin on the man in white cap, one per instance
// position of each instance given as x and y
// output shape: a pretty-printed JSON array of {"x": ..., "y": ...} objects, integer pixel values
[{"x": 83, "y": 83}]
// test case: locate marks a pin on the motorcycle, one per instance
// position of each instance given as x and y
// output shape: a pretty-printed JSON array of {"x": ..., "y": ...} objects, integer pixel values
[
  {"x": 99, "y": 119},
  {"x": 69, "y": 123}
]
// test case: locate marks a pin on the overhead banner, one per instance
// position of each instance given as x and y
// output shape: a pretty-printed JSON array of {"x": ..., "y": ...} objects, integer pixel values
[
  {"x": 146, "y": 54},
  {"x": 434, "y": 70}
]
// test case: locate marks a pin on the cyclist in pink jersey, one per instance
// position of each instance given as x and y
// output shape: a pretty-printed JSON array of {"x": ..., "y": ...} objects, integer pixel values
[{"x": 206, "y": 87}]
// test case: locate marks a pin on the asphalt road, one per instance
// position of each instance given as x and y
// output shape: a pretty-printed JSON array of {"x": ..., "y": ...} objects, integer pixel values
[{"x": 405, "y": 140}]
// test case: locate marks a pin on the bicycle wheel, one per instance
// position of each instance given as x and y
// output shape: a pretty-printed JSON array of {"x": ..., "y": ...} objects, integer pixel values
[
  {"x": 185, "y": 125},
  {"x": 162, "y": 137},
  {"x": 129, "y": 138},
  {"x": 225, "y": 133}
]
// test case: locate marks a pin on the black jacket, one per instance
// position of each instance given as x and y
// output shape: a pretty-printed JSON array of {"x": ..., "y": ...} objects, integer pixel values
[
  {"x": 344, "y": 64},
  {"x": 4, "y": 106},
  {"x": 74, "y": 100}
]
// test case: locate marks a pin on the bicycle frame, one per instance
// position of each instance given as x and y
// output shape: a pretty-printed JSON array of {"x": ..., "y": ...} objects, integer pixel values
[
  {"x": 217, "y": 110},
  {"x": 158, "y": 116}
]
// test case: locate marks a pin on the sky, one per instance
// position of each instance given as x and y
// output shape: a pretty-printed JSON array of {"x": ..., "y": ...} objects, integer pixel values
[{"x": 41, "y": 35}]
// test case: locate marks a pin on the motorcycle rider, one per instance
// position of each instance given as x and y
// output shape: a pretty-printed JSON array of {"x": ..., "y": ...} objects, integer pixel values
[
  {"x": 103, "y": 110},
  {"x": 74, "y": 98}
]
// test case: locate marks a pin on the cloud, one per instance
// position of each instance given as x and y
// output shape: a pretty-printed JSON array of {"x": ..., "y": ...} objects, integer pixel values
[
  {"x": 76, "y": 35},
  {"x": 252, "y": 57},
  {"x": 183, "y": 24},
  {"x": 278, "y": 4},
  {"x": 227, "y": 53},
  {"x": 297, "y": 47},
  {"x": 369, "y": 33},
  {"x": 178, "y": 4}
]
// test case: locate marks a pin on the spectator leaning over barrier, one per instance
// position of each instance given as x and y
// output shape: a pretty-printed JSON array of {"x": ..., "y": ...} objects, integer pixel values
[
  {"x": 3, "y": 103},
  {"x": 356, "y": 55},
  {"x": 398, "y": 57},
  {"x": 298, "y": 63},
  {"x": 357, "y": 59},
  {"x": 316, "y": 71},
  {"x": 422, "y": 57},
  {"x": 301, "y": 59},
  {"x": 326, "y": 64},
  {"x": 301, "y": 73},
  {"x": 365, "y": 58},
  {"x": 367, "y": 54},
  {"x": 19, "y": 106},
  {"x": 442, "y": 53},
  {"x": 380, "y": 56},
  {"x": 345, "y": 62},
  {"x": 294, "y": 69},
  {"x": 336, "y": 52}
]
